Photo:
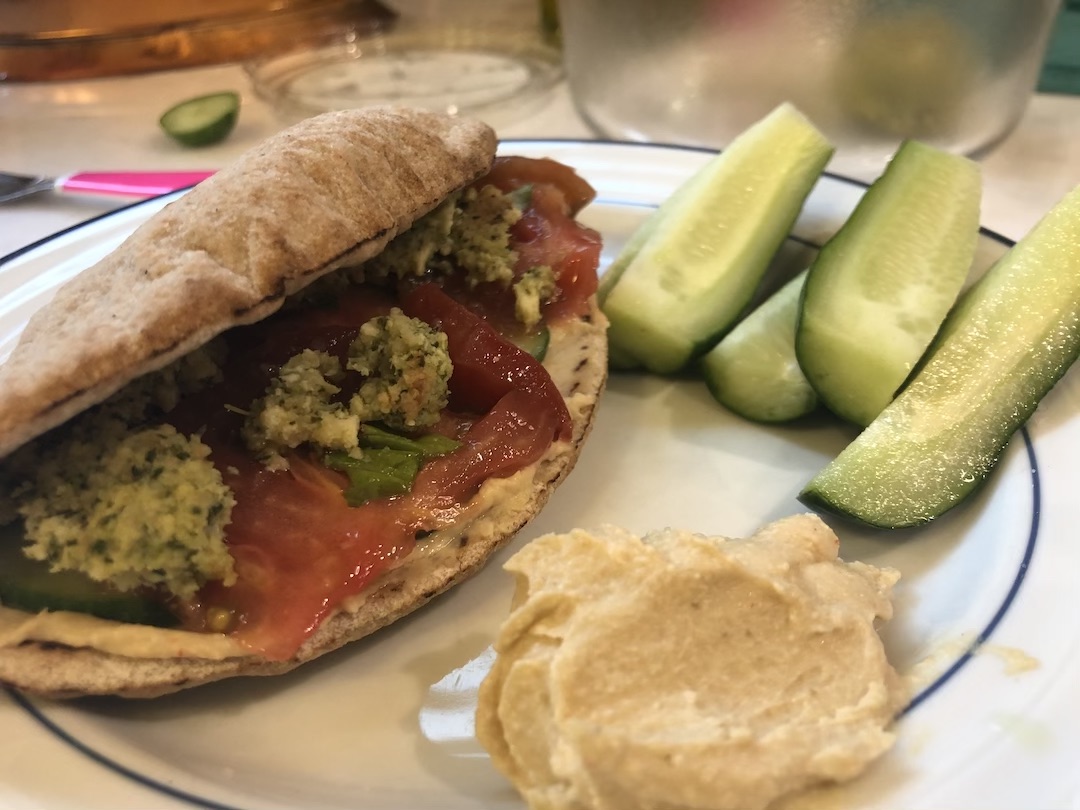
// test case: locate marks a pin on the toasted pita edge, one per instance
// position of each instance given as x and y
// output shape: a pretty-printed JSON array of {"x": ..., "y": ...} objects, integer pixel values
[
  {"x": 578, "y": 363},
  {"x": 331, "y": 190}
]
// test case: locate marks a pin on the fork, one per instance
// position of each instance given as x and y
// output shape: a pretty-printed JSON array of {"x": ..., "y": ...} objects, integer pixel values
[{"x": 123, "y": 184}]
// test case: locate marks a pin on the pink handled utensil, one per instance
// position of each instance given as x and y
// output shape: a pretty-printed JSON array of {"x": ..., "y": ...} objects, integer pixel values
[
  {"x": 129, "y": 184},
  {"x": 121, "y": 184}
]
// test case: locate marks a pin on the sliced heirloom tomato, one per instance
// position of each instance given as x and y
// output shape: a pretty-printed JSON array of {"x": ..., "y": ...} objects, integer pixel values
[
  {"x": 486, "y": 366},
  {"x": 512, "y": 172},
  {"x": 300, "y": 549},
  {"x": 547, "y": 233}
]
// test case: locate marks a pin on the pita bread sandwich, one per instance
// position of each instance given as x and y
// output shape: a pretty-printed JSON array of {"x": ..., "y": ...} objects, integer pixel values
[{"x": 296, "y": 404}]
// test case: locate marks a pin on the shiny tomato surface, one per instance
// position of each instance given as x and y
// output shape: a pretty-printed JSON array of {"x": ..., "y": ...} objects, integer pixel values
[{"x": 300, "y": 549}]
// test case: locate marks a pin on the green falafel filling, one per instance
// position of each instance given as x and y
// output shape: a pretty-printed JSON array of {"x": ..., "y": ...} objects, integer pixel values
[
  {"x": 109, "y": 523},
  {"x": 406, "y": 371}
]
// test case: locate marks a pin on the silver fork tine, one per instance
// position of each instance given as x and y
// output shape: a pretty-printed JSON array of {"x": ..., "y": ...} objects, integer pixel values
[{"x": 14, "y": 186}]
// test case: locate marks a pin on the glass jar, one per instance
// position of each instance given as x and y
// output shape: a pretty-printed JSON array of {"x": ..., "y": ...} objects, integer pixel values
[{"x": 953, "y": 73}]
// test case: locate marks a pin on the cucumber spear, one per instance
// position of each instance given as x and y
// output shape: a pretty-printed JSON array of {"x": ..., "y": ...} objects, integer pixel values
[
  {"x": 687, "y": 276},
  {"x": 1002, "y": 348}
]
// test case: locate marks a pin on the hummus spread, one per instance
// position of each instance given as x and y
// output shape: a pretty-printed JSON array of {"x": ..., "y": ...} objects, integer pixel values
[{"x": 684, "y": 671}]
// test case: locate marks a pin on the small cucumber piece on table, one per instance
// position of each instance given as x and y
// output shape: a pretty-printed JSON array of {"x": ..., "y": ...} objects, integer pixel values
[
  {"x": 29, "y": 585},
  {"x": 683, "y": 282},
  {"x": 1002, "y": 348},
  {"x": 880, "y": 288},
  {"x": 753, "y": 371},
  {"x": 202, "y": 121}
]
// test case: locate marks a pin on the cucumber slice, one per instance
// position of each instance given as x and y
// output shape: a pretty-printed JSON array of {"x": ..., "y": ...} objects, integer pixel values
[
  {"x": 1008, "y": 341},
  {"x": 682, "y": 283},
  {"x": 644, "y": 233},
  {"x": 28, "y": 585},
  {"x": 535, "y": 341},
  {"x": 881, "y": 287},
  {"x": 753, "y": 370},
  {"x": 203, "y": 120}
]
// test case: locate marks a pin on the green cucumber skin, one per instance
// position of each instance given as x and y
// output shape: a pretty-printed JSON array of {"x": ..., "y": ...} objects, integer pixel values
[
  {"x": 200, "y": 112},
  {"x": 1005, "y": 345},
  {"x": 856, "y": 346},
  {"x": 776, "y": 391},
  {"x": 667, "y": 307},
  {"x": 28, "y": 585},
  {"x": 535, "y": 342}
]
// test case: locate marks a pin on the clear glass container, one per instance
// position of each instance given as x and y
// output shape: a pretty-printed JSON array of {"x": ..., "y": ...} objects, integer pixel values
[
  {"x": 493, "y": 59},
  {"x": 953, "y": 73}
]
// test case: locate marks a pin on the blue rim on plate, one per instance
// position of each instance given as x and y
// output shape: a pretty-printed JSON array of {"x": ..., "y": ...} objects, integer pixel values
[{"x": 921, "y": 697}]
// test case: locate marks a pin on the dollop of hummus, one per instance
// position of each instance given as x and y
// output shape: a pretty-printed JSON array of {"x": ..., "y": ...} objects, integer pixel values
[{"x": 684, "y": 671}]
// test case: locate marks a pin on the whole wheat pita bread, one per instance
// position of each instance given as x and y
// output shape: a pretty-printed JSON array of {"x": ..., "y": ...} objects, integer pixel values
[
  {"x": 291, "y": 240},
  {"x": 328, "y": 191}
]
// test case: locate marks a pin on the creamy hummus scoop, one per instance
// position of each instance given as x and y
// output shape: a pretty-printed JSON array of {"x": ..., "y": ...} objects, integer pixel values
[{"x": 684, "y": 671}]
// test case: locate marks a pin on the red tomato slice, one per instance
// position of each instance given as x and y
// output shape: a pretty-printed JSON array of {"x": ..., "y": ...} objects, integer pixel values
[
  {"x": 509, "y": 173},
  {"x": 547, "y": 234},
  {"x": 514, "y": 434},
  {"x": 486, "y": 367},
  {"x": 300, "y": 550}
]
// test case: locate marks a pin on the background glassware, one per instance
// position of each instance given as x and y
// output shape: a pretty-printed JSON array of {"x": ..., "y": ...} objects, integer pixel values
[
  {"x": 493, "y": 59},
  {"x": 954, "y": 73},
  {"x": 63, "y": 40}
]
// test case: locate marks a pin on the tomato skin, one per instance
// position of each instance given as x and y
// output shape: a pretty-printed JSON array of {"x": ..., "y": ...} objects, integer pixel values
[
  {"x": 548, "y": 234},
  {"x": 300, "y": 550},
  {"x": 512, "y": 172},
  {"x": 486, "y": 367}
]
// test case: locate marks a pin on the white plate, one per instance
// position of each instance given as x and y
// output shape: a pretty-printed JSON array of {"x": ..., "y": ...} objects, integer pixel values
[{"x": 387, "y": 723}]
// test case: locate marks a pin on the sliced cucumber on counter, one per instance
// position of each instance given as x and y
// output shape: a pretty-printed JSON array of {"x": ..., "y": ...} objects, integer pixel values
[
  {"x": 753, "y": 371},
  {"x": 1009, "y": 339},
  {"x": 202, "y": 121},
  {"x": 28, "y": 585},
  {"x": 880, "y": 288},
  {"x": 682, "y": 283}
]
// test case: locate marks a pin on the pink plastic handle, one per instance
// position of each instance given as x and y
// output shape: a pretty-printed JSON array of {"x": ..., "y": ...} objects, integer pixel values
[{"x": 129, "y": 184}]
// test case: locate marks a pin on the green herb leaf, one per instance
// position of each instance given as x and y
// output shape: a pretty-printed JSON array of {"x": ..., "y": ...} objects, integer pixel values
[
  {"x": 389, "y": 463},
  {"x": 432, "y": 445},
  {"x": 521, "y": 197},
  {"x": 379, "y": 473}
]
